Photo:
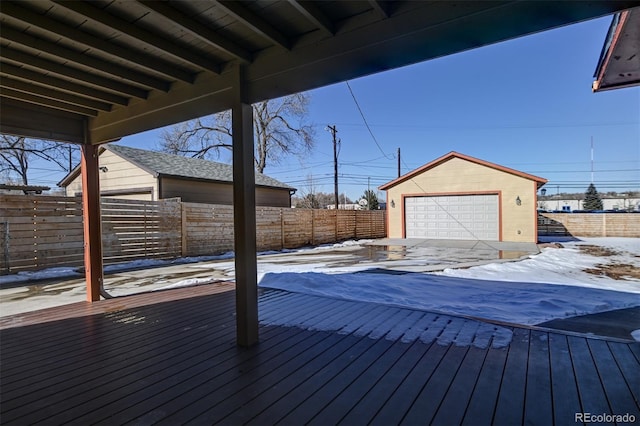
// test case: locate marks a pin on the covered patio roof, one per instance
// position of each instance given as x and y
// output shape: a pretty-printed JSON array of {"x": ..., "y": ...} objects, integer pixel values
[
  {"x": 619, "y": 62},
  {"x": 91, "y": 72},
  {"x": 127, "y": 67}
]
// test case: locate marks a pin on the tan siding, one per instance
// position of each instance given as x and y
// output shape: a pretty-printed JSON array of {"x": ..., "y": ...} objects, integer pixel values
[
  {"x": 121, "y": 175},
  {"x": 459, "y": 176}
]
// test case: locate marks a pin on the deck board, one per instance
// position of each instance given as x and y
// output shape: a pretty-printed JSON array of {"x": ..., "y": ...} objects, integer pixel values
[
  {"x": 629, "y": 366},
  {"x": 427, "y": 402},
  {"x": 538, "y": 409},
  {"x": 143, "y": 361},
  {"x": 592, "y": 396},
  {"x": 566, "y": 401},
  {"x": 394, "y": 409},
  {"x": 318, "y": 401},
  {"x": 258, "y": 408},
  {"x": 510, "y": 404},
  {"x": 312, "y": 382},
  {"x": 482, "y": 402},
  {"x": 613, "y": 380},
  {"x": 455, "y": 403},
  {"x": 342, "y": 403},
  {"x": 364, "y": 409}
]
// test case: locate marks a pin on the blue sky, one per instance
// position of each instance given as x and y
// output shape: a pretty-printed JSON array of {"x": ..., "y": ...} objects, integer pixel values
[{"x": 525, "y": 104}]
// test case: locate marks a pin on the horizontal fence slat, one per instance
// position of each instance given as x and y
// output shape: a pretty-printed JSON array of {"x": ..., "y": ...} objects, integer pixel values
[{"x": 46, "y": 231}]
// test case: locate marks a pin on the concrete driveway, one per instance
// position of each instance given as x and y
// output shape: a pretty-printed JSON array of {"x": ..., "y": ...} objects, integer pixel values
[{"x": 385, "y": 255}]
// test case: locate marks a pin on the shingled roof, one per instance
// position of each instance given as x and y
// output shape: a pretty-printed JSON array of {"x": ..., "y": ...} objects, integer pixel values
[{"x": 163, "y": 164}]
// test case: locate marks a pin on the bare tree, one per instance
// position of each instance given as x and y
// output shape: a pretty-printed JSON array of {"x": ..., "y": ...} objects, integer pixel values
[
  {"x": 279, "y": 125},
  {"x": 17, "y": 153},
  {"x": 310, "y": 198},
  {"x": 307, "y": 197}
]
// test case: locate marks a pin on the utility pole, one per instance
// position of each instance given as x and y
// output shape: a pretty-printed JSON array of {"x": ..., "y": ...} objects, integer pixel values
[
  {"x": 333, "y": 131},
  {"x": 398, "y": 162}
]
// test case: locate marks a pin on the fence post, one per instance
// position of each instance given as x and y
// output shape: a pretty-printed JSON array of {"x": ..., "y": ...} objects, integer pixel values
[
  {"x": 6, "y": 247},
  {"x": 183, "y": 230},
  {"x": 355, "y": 224},
  {"x": 281, "y": 228},
  {"x": 313, "y": 227}
]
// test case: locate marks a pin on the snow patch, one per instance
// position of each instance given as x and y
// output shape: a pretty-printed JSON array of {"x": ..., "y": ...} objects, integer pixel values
[{"x": 514, "y": 302}]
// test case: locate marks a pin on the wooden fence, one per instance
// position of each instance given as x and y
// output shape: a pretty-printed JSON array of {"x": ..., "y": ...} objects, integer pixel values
[{"x": 43, "y": 231}]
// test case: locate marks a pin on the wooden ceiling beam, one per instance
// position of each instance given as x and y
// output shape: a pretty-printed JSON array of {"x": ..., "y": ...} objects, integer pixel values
[
  {"x": 131, "y": 30},
  {"x": 80, "y": 58},
  {"x": 38, "y": 122},
  {"x": 51, "y": 103},
  {"x": 48, "y": 92},
  {"x": 199, "y": 30},
  {"x": 68, "y": 32},
  {"x": 255, "y": 22},
  {"x": 380, "y": 8},
  {"x": 23, "y": 73},
  {"x": 312, "y": 13},
  {"x": 68, "y": 72}
]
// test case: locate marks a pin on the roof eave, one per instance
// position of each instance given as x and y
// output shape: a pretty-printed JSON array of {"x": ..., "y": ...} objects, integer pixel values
[
  {"x": 540, "y": 181},
  {"x": 614, "y": 69}
]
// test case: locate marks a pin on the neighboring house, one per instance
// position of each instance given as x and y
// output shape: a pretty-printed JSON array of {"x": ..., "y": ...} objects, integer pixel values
[
  {"x": 350, "y": 206},
  {"x": 608, "y": 203},
  {"x": 139, "y": 174},
  {"x": 463, "y": 198}
]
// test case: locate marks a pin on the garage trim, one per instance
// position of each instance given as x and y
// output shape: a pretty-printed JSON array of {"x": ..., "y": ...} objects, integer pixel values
[{"x": 445, "y": 194}]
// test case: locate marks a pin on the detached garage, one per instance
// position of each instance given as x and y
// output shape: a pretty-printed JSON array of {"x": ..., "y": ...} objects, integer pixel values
[{"x": 459, "y": 197}]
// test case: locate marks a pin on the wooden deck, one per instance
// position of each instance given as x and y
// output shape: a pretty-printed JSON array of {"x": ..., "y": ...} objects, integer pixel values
[{"x": 144, "y": 360}]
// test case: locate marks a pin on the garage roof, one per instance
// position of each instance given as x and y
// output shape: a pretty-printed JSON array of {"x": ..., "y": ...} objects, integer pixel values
[
  {"x": 539, "y": 181},
  {"x": 164, "y": 164},
  {"x": 95, "y": 71}
]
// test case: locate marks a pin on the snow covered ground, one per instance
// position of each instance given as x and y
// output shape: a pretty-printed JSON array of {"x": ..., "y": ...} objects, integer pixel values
[
  {"x": 550, "y": 285},
  {"x": 555, "y": 283}
]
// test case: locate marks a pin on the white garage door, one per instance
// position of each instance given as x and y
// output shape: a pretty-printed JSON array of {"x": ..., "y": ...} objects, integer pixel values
[{"x": 455, "y": 217}]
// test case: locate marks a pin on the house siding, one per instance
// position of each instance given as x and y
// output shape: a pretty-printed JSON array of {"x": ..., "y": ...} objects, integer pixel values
[
  {"x": 218, "y": 193},
  {"x": 122, "y": 175},
  {"x": 460, "y": 176}
]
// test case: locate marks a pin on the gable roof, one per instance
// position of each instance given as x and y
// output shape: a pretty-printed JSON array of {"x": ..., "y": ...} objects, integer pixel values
[
  {"x": 540, "y": 181},
  {"x": 161, "y": 164}
]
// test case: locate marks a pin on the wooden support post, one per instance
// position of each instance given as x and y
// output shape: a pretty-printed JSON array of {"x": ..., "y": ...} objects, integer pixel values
[
  {"x": 244, "y": 217},
  {"x": 91, "y": 221}
]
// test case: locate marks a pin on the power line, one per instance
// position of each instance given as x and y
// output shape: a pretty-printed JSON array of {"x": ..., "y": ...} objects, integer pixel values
[{"x": 365, "y": 122}]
